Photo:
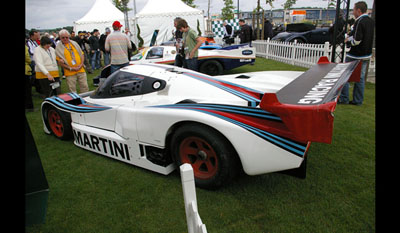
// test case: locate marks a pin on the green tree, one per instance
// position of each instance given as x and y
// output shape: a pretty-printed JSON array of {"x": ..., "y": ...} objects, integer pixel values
[
  {"x": 227, "y": 11},
  {"x": 141, "y": 42},
  {"x": 198, "y": 28},
  {"x": 189, "y": 3},
  {"x": 289, "y": 3},
  {"x": 122, "y": 5}
]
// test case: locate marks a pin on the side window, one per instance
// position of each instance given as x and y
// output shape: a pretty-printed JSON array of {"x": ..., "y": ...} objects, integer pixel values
[
  {"x": 125, "y": 85},
  {"x": 120, "y": 84},
  {"x": 155, "y": 53}
]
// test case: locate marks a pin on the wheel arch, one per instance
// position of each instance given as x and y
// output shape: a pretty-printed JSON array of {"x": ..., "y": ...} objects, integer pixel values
[
  {"x": 172, "y": 129},
  {"x": 44, "y": 109},
  {"x": 220, "y": 61},
  {"x": 300, "y": 39}
]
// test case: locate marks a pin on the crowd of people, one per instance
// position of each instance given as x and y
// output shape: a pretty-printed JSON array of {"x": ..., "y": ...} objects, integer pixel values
[
  {"x": 78, "y": 54},
  {"x": 75, "y": 55},
  {"x": 89, "y": 51}
]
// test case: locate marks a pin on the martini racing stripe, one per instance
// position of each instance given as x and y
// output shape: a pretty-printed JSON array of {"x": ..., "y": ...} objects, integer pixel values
[
  {"x": 287, "y": 144},
  {"x": 249, "y": 111},
  {"x": 79, "y": 106}
]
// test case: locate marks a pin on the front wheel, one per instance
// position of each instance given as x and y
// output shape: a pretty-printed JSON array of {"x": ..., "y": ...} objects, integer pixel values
[
  {"x": 59, "y": 123},
  {"x": 212, "y": 157}
]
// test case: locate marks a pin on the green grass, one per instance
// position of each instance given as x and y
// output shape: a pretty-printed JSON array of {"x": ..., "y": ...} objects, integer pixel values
[{"x": 92, "y": 193}]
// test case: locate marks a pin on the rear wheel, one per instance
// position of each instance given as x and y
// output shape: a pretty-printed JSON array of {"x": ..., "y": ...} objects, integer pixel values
[
  {"x": 211, "y": 67},
  {"x": 59, "y": 123},
  {"x": 212, "y": 157}
]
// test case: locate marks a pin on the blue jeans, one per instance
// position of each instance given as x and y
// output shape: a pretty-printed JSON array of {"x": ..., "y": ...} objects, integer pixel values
[
  {"x": 358, "y": 90},
  {"x": 95, "y": 60},
  {"x": 114, "y": 68},
  {"x": 106, "y": 56},
  {"x": 191, "y": 63}
]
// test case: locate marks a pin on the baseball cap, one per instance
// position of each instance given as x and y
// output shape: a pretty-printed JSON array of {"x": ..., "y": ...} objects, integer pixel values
[{"x": 117, "y": 24}]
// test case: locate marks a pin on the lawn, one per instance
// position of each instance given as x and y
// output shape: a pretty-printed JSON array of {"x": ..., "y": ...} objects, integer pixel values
[{"x": 92, "y": 193}]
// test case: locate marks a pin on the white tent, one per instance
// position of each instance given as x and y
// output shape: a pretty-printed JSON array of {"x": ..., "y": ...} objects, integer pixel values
[
  {"x": 160, "y": 14},
  {"x": 102, "y": 14}
]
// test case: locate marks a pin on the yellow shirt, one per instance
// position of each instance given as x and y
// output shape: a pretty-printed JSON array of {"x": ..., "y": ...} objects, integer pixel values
[{"x": 70, "y": 52}]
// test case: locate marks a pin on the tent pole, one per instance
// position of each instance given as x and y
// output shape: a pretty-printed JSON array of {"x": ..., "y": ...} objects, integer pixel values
[{"x": 135, "y": 40}]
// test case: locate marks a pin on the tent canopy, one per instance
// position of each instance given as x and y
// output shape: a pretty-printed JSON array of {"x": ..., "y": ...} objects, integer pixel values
[
  {"x": 102, "y": 14},
  {"x": 160, "y": 14},
  {"x": 169, "y": 7}
]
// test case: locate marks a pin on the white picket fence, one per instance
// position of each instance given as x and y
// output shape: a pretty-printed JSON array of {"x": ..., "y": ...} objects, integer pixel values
[
  {"x": 194, "y": 223},
  {"x": 299, "y": 54}
]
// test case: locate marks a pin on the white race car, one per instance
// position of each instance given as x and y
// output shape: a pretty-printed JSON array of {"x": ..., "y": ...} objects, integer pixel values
[
  {"x": 159, "y": 116},
  {"x": 212, "y": 60}
]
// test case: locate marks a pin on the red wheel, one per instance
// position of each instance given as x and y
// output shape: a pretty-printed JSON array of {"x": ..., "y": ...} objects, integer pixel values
[
  {"x": 58, "y": 122},
  {"x": 212, "y": 157},
  {"x": 200, "y": 154},
  {"x": 55, "y": 123}
]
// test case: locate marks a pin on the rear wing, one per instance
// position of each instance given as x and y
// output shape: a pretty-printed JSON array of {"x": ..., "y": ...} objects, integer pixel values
[{"x": 306, "y": 104}]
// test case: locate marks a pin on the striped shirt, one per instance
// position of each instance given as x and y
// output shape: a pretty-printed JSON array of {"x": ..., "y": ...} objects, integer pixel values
[{"x": 118, "y": 43}]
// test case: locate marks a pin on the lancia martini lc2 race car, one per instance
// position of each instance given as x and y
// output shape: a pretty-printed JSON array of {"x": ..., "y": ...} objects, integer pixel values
[{"x": 158, "y": 116}]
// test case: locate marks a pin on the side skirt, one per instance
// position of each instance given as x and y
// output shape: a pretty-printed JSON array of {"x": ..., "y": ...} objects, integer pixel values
[{"x": 112, "y": 145}]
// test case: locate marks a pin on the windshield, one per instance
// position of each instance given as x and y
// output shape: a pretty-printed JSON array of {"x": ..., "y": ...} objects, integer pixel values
[{"x": 137, "y": 57}]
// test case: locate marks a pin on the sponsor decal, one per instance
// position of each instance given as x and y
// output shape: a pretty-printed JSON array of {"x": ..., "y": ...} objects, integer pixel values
[
  {"x": 245, "y": 60},
  {"x": 321, "y": 89},
  {"x": 102, "y": 145},
  {"x": 247, "y": 52}
]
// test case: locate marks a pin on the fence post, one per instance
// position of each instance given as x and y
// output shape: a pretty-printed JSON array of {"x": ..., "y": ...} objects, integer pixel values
[
  {"x": 326, "y": 50},
  {"x": 293, "y": 55},
  {"x": 193, "y": 220},
  {"x": 267, "y": 49}
]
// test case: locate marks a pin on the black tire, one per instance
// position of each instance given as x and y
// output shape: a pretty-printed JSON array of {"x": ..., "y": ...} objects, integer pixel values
[
  {"x": 211, "y": 67},
  {"x": 212, "y": 157},
  {"x": 59, "y": 123}
]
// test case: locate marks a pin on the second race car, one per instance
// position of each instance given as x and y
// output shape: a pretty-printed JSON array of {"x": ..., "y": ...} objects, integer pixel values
[{"x": 210, "y": 61}]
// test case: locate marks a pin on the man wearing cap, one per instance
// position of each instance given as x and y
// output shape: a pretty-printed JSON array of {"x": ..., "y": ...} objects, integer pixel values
[{"x": 118, "y": 44}]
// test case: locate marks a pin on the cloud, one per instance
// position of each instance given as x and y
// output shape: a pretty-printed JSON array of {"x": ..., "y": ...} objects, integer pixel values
[
  {"x": 43, "y": 14},
  {"x": 48, "y": 14}
]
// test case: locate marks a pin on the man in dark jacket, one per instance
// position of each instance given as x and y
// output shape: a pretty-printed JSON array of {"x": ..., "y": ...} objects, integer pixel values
[
  {"x": 268, "y": 33},
  {"x": 360, "y": 42},
  {"x": 245, "y": 32},
  {"x": 102, "y": 41},
  {"x": 228, "y": 34},
  {"x": 95, "y": 50}
]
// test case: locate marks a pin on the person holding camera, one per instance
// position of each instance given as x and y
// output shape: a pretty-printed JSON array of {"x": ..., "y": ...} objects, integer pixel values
[
  {"x": 191, "y": 44},
  {"x": 180, "y": 54},
  {"x": 46, "y": 68},
  {"x": 228, "y": 34}
]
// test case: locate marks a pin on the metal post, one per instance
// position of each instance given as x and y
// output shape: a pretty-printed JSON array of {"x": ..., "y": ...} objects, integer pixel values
[
  {"x": 336, "y": 41},
  {"x": 135, "y": 39}
]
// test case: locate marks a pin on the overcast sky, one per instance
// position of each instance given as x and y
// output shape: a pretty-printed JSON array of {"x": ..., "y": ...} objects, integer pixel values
[{"x": 48, "y": 14}]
